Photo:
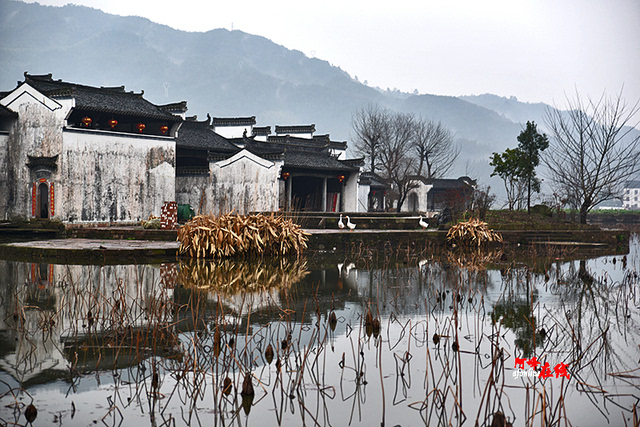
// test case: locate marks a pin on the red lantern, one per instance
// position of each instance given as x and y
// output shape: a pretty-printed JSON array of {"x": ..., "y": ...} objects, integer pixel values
[
  {"x": 285, "y": 175},
  {"x": 113, "y": 123},
  {"x": 141, "y": 127},
  {"x": 86, "y": 121},
  {"x": 340, "y": 178},
  {"x": 164, "y": 129}
]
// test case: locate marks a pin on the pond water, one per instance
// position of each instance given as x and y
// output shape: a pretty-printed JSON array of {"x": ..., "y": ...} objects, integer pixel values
[{"x": 435, "y": 339}]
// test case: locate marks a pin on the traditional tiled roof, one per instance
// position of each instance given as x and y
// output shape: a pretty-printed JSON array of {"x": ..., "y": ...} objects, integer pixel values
[
  {"x": 5, "y": 112},
  {"x": 443, "y": 184},
  {"x": 233, "y": 121},
  {"x": 103, "y": 99},
  {"x": 295, "y": 129},
  {"x": 338, "y": 145},
  {"x": 321, "y": 141},
  {"x": 198, "y": 135},
  {"x": 261, "y": 130},
  {"x": 176, "y": 107},
  {"x": 310, "y": 157},
  {"x": 373, "y": 179},
  {"x": 287, "y": 140},
  {"x": 359, "y": 162},
  {"x": 315, "y": 161}
]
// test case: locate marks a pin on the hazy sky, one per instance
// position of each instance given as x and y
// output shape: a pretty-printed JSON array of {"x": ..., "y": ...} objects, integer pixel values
[{"x": 536, "y": 50}]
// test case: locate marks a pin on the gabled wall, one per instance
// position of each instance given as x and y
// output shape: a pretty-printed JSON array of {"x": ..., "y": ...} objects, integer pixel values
[
  {"x": 36, "y": 132},
  {"x": 243, "y": 183},
  {"x": 98, "y": 176},
  {"x": 422, "y": 192}
]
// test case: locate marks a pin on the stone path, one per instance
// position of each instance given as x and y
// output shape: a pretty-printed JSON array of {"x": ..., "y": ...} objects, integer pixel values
[
  {"x": 97, "y": 244},
  {"x": 80, "y": 251}
]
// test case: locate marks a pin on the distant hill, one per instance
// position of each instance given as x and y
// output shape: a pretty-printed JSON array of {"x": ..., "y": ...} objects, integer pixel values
[
  {"x": 510, "y": 108},
  {"x": 232, "y": 73}
]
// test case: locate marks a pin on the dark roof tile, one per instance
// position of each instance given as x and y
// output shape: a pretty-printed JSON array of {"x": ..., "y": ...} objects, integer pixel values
[
  {"x": 295, "y": 129},
  {"x": 109, "y": 100},
  {"x": 199, "y": 135},
  {"x": 5, "y": 112},
  {"x": 233, "y": 121}
]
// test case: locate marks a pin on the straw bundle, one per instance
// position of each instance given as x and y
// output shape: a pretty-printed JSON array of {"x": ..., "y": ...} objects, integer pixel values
[
  {"x": 472, "y": 232},
  {"x": 207, "y": 236}
]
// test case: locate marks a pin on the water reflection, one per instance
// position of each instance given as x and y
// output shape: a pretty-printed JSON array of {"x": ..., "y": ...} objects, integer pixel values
[
  {"x": 242, "y": 287},
  {"x": 430, "y": 341}
]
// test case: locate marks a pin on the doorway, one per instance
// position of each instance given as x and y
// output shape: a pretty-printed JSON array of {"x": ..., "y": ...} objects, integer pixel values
[
  {"x": 413, "y": 202},
  {"x": 42, "y": 204}
]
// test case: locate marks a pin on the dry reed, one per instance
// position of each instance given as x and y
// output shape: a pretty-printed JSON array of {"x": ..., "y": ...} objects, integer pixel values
[{"x": 208, "y": 236}]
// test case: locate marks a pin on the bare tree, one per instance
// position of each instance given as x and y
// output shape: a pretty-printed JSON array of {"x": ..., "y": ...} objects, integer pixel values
[
  {"x": 395, "y": 155},
  {"x": 433, "y": 145},
  {"x": 593, "y": 149},
  {"x": 369, "y": 125}
]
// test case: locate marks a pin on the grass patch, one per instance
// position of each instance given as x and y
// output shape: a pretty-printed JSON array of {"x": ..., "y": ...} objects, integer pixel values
[{"x": 521, "y": 220}]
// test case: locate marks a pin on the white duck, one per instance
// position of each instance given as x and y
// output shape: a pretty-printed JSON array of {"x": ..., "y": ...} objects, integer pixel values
[
  {"x": 350, "y": 224},
  {"x": 340, "y": 223},
  {"x": 423, "y": 223}
]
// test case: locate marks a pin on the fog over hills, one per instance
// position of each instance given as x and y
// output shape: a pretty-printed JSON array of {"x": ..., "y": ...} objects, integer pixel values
[{"x": 235, "y": 74}]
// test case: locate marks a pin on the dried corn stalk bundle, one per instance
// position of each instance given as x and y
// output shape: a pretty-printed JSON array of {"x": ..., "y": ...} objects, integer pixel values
[
  {"x": 208, "y": 236},
  {"x": 472, "y": 233},
  {"x": 228, "y": 276}
]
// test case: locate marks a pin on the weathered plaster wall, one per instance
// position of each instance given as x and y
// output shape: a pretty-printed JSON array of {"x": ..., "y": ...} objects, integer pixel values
[
  {"x": 4, "y": 174},
  {"x": 113, "y": 177},
  {"x": 195, "y": 191},
  {"x": 37, "y": 132},
  {"x": 244, "y": 183}
]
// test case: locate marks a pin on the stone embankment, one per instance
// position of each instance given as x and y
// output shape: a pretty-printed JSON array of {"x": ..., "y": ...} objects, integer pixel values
[{"x": 378, "y": 231}]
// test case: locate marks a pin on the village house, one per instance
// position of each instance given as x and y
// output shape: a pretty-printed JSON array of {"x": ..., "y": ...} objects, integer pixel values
[
  {"x": 77, "y": 153},
  {"x": 251, "y": 170},
  {"x": 92, "y": 155},
  {"x": 432, "y": 195},
  {"x": 630, "y": 196}
]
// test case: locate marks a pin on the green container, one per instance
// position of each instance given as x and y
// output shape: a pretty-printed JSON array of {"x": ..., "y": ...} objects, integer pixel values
[{"x": 185, "y": 212}]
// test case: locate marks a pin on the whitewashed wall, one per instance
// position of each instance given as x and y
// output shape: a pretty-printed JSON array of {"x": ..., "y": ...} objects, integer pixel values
[
  {"x": 243, "y": 183},
  {"x": 233, "y": 131},
  {"x": 421, "y": 191},
  {"x": 363, "y": 197},
  {"x": 195, "y": 190},
  {"x": 351, "y": 193},
  {"x": 38, "y": 133},
  {"x": 101, "y": 176},
  {"x": 114, "y": 177}
]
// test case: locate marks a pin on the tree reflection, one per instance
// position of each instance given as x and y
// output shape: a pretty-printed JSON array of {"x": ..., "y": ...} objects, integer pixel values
[{"x": 428, "y": 340}]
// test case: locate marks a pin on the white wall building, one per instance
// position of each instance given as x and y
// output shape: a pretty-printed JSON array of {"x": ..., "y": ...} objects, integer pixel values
[
  {"x": 631, "y": 195},
  {"x": 82, "y": 154}
]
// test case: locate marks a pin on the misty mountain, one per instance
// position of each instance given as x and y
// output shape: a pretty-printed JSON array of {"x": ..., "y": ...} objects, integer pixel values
[
  {"x": 234, "y": 74},
  {"x": 510, "y": 108}
]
